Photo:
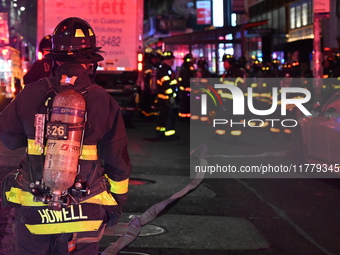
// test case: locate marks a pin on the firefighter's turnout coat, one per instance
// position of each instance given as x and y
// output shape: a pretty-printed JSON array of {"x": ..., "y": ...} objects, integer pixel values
[
  {"x": 104, "y": 160},
  {"x": 166, "y": 97}
]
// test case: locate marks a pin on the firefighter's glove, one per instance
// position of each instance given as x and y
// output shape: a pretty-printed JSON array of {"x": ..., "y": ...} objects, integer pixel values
[{"x": 113, "y": 218}]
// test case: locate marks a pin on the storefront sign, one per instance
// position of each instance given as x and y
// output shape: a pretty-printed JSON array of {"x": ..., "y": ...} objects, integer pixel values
[
  {"x": 203, "y": 12},
  {"x": 321, "y": 6}
]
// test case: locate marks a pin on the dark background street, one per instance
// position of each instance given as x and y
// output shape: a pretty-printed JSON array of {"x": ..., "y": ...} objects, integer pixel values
[{"x": 222, "y": 216}]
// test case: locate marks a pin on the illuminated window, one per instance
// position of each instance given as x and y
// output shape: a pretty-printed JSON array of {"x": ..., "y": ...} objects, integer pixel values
[
  {"x": 298, "y": 16},
  {"x": 292, "y": 17},
  {"x": 304, "y": 14},
  {"x": 218, "y": 17}
]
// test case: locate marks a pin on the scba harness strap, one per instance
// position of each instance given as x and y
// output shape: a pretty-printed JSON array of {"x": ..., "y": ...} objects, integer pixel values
[{"x": 50, "y": 134}]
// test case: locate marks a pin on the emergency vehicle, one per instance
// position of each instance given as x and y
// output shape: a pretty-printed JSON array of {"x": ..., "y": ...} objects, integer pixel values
[
  {"x": 10, "y": 73},
  {"x": 118, "y": 25}
]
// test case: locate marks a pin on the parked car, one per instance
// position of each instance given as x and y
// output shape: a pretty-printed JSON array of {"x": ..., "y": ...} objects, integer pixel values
[{"x": 317, "y": 137}]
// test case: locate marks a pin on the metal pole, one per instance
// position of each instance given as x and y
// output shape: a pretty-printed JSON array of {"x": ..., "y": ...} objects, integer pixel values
[{"x": 317, "y": 59}]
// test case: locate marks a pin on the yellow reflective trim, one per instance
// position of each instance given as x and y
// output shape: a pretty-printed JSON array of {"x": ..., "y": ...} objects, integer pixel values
[
  {"x": 265, "y": 124},
  {"x": 236, "y": 132},
  {"x": 161, "y": 96},
  {"x": 169, "y": 91},
  {"x": 34, "y": 149},
  {"x": 79, "y": 33},
  {"x": 204, "y": 118},
  {"x": 25, "y": 198},
  {"x": 165, "y": 78},
  {"x": 287, "y": 131},
  {"x": 239, "y": 79},
  {"x": 158, "y": 128},
  {"x": 120, "y": 187},
  {"x": 220, "y": 131},
  {"x": 227, "y": 95},
  {"x": 64, "y": 227},
  {"x": 88, "y": 152},
  {"x": 169, "y": 132},
  {"x": 184, "y": 115},
  {"x": 103, "y": 198},
  {"x": 265, "y": 95},
  {"x": 149, "y": 114},
  {"x": 274, "y": 130}
]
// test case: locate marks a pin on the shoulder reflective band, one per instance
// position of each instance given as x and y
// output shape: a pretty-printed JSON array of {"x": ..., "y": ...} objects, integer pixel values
[
  {"x": 88, "y": 152},
  {"x": 121, "y": 187},
  {"x": 34, "y": 149},
  {"x": 67, "y": 227}
]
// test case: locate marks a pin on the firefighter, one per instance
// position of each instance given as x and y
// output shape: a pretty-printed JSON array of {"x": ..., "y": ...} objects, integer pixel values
[
  {"x": 276, "y": 68},
  {"x": 202, "y": 69},
  {"x": 231, "y": 69},
  {"x": 167, "y": 91},
  {"x": 235, "y": 76},
  {"x": 152, "y": 62},
  {"x": 256, "y": 69},
  {"x": 74, "y": 224},
  {"x": 42, "y": 67},
  {"x": 187, "y": 72}
]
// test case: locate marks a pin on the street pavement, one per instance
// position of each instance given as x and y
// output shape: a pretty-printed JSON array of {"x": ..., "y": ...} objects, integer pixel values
[{"x": 221, "y": 216}]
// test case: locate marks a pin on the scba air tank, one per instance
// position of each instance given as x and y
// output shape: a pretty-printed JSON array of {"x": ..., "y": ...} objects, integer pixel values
[{"x": 63, "y": 147}]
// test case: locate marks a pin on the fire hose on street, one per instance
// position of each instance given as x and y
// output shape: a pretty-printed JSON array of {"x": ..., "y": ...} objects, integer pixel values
[{"x": 132, "y": 229}]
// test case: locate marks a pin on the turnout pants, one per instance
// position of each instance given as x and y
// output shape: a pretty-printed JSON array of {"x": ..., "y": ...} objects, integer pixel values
[{"x": 58, "y": 244}]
